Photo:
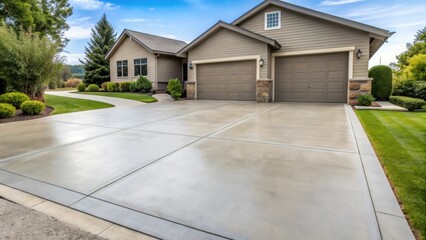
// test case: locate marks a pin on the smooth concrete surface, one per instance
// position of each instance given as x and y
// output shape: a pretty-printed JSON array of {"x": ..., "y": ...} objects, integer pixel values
[{"x": 208, "y": 169}]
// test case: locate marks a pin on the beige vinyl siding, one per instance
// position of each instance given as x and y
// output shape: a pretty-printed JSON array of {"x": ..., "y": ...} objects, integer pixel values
[
  {"x": 168, "y": 67},
  {"x": 301, "y": 32},
  {"x": 225, "y": 43},
  {"x": 130, "y": 50}
]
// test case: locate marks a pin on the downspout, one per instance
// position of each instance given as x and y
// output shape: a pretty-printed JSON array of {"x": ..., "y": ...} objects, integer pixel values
[{"x": 156, "y": 55}]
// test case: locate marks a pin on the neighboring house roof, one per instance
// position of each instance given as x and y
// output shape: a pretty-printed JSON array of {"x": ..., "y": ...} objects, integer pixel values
[
  {"x": 313, "y": 13},
  {"x": 219, "y": 25},
  {"x": 152, "y": 43}
]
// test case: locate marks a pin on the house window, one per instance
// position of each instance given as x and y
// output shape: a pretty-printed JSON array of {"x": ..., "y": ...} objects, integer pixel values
[
  {"x": 273, "y": 20},
  {"x": 122, "y": 70},
  {"x": 141, "y": 67}
]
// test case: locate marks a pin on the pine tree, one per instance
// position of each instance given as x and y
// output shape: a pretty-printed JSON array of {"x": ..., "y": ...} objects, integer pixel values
[{"x": 96, "y": 66}]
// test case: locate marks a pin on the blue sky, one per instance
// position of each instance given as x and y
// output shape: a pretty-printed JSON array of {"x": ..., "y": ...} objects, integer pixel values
[{"x": 186, "y": 19}]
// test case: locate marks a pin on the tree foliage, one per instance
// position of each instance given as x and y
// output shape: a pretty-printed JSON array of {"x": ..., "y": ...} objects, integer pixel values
[
  {"x": 27, "y": 61},
  {"x": 403, "y": 60},
  {"x": 95, "y": 65},
  {"x": 416, "y": 69},
  {"x": 46, "y": 17}
]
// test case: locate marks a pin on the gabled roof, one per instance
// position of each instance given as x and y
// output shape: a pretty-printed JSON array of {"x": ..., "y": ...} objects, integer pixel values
[
  {"x": 152, "y": 43},
  {"x": 219, "y": 25},
  {"x": 346, "y": 22}
]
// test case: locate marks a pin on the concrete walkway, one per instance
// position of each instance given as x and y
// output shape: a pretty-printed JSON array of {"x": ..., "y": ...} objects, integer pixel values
[
  {"x": 117, "y": 102},
  {"x": 210, "y": 170}
]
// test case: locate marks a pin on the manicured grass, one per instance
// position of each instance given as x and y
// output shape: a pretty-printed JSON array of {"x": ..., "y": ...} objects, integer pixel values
[
  {"x": 63, "y": 89},
  {"x": 68, "y": 105},
  {"x": 131, "y": 96},
  {"x": 399, "y": 139}
]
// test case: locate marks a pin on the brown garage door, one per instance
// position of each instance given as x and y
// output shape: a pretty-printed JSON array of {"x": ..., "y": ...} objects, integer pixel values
[
  {"x": 227, "y": 81},
  {"x": 313, "y": 78}
]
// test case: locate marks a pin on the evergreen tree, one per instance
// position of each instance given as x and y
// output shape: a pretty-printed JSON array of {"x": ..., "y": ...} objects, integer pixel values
[{"x": 95, "y": 65}]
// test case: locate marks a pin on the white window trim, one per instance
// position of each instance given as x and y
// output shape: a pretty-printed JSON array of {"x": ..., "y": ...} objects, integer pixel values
[{"x": 279, "y": 20}]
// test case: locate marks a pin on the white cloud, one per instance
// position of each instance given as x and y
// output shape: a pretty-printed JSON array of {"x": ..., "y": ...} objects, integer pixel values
[
  {"x": 134, "y": 20},
  {"x": 92, "y": 4},
  {"x": 373, "y": 13},
  {"x": 151, "y": 9},
  {"x": 78, "y": 32},
  {"x": 73, "y": 58},
  {"x": 338, "y": 2},
  {"x": 168, "y": 36}
]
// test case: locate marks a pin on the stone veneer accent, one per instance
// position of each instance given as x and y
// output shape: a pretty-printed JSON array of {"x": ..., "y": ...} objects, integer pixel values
[
  {"x": 190, "y": 90},
  {"x": 264, "y": 90},
  {"x": 358, "y": 87}
]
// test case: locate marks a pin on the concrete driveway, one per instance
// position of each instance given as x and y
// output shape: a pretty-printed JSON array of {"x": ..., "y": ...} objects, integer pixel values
[{"x": 209, "y": 170}]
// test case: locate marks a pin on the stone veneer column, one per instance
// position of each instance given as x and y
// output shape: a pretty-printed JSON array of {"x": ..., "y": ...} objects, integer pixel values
[
  {"x": 190, "y": 90},
  {"x": 264, "y": 90},
  {"x": 358, "y": 87}
]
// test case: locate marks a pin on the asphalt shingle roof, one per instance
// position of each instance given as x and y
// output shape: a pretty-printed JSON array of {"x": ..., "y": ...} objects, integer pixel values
[{"x": 157, "y": 43}]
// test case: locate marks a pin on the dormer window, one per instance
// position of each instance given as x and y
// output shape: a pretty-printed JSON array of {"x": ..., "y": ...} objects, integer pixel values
[{"x": 273, "y": 20}]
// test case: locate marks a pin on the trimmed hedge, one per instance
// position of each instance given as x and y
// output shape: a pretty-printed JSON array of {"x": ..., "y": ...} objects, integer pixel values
[
  {"x": 411, "y": 88},
  {"x": 407, "y": 102},
  {"x": 381, "y": 87},
  {"x": 124, "y": 86},
  {"x": 93, "y": 88},
  {"x": 113, "y": 87},
  {"x": 174, "y": 87},
  {"x": 7, "y": 110},
  {"x": 32, "y": 107},
  {"x": 366, "y": 100},
  {"x": 104, "y": 86},
  {"x": 143, "y": 84},
  {"x": 14, "y": 98},
  {"x": 81, "y": 87},
  {"x": 132, "y": 87}
]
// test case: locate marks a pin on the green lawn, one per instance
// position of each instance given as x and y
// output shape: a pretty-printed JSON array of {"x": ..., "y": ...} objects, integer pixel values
[
  {"x": 399, "y": 139},
  {"x": 131, "y": 96},
  {"x": 63, "y": 89},
  {"x": 68, "y": 105}
]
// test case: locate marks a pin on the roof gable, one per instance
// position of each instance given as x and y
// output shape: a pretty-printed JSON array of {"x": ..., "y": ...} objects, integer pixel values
[
  {"x": 220, "y": 25},
  {"x": 346, "y": 22},
  {"x": 152, "y": 43}
]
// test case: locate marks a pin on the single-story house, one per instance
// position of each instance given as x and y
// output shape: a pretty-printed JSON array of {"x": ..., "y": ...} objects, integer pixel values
[{"x": 277, "y": 51}]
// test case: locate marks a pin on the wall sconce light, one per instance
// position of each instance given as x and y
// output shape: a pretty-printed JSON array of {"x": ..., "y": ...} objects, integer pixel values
[
  {"x": 261, "y": 62},
  {"x": 190, "y": 66},
  {"x": 359, "y": 54}
]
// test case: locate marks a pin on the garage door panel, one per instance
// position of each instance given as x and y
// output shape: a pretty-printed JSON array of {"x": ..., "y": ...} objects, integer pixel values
[
  {"x": 227, "y": 81},
  {"x": 312, "y": 78}
]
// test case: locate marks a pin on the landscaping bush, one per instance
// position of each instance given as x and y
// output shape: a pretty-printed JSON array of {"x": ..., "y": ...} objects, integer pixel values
[
  {"x": 411, "y": 88},
  {"x": 3, "y": 86},
  {"x": 113, "y": 87},
  {"x": 124, "y": 86},
  {"x": 132, "y": 87},
  {"x": 143, "y": 84},
  {"x": 174, "y": 87},
  {"x": 14, "y": 98},
  {"x": 366, "y": 100},
  {"x": 73, "y": 82},
  {"x": 93, "y": 88},
  {"x": 81, "y": 87},
  {"x": 7, "y": 110},
  {"x": 382, "y": 82},
  {"x": 104, "y": 86},
  {"x": 32, "y": 107},
  {"x": 52, "y": 84},
  {"x": 407, "y": 102}
]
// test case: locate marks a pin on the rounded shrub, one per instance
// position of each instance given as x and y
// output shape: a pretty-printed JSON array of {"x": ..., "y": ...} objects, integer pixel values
[
  {"x": 81, "y": 87},
  {"x": 14, "y": 98},
  {"x": 93, "y": 88},
  {"x": 124, "y": 86},
  {"x": 174, "y": 87},
  {"x": 104, "y": 86},
  {"x": 143, "y": 84},
  {"x": 7, "y": 110},
  {"x": 32, "y": 107},
  {"x": 113, "y": 87},
  {"x": 382, "y": 81},
  {"x": 366, "y": 100},
  {"x": 132, "y": 87}
]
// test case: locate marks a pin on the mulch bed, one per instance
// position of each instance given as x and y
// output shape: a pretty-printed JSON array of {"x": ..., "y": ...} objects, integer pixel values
[{"x": 22, "y": 117}]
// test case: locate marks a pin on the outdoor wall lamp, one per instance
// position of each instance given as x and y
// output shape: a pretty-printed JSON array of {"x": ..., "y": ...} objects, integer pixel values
[
  {"x": 359, "y": 54},
  {"x": 261, "y": 62},
  {"x": 190, "y": 66}
]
